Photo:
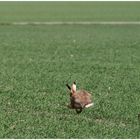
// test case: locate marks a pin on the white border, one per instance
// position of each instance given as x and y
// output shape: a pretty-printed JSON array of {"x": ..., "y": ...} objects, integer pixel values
[
  {"x": 73, "y": 23},
  {"x": 72, "y": 0}
]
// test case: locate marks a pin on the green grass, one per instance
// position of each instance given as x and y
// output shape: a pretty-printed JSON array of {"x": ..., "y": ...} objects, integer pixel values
[
  {"x": 37, "y": 61},
  {"x": 69, "y": 11}
]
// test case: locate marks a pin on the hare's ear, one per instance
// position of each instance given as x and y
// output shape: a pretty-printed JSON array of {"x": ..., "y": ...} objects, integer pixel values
[
  {"x": 68, "y": 87},
  {"x": 73, "y": 87}
]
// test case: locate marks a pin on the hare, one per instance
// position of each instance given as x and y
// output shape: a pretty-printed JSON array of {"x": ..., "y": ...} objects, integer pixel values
[{"x": 79, "y": 99}]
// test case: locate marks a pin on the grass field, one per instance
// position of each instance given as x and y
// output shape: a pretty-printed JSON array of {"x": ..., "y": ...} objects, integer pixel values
[
  {"x": 37, "y": 61},
  {"x": 69, "y": 11}
]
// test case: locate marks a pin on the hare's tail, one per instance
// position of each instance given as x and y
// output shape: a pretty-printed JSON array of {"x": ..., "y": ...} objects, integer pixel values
[{"x": 89, "y": 105}]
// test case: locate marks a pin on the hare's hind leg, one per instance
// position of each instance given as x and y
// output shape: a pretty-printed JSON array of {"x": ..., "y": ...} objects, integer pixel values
[{"x": 78, "y": 110}]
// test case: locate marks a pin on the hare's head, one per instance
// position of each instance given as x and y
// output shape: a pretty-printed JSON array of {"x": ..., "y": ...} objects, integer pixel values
[{"x": 72, "y": 88}]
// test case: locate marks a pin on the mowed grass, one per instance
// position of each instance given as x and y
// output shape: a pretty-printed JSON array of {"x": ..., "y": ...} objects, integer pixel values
[
  {"x": 68, "y": 11},
  {"x": 37, "y": 62}
]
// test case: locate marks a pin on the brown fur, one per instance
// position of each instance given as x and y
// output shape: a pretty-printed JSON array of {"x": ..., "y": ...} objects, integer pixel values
[{"x": 79, "y": 99}]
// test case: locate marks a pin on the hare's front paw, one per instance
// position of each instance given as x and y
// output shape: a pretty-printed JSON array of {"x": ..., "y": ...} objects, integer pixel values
[{"x": 69, "y": 106}]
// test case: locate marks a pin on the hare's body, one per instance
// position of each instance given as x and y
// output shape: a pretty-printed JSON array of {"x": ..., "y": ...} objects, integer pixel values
[{"x": 79, "y": 99}]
